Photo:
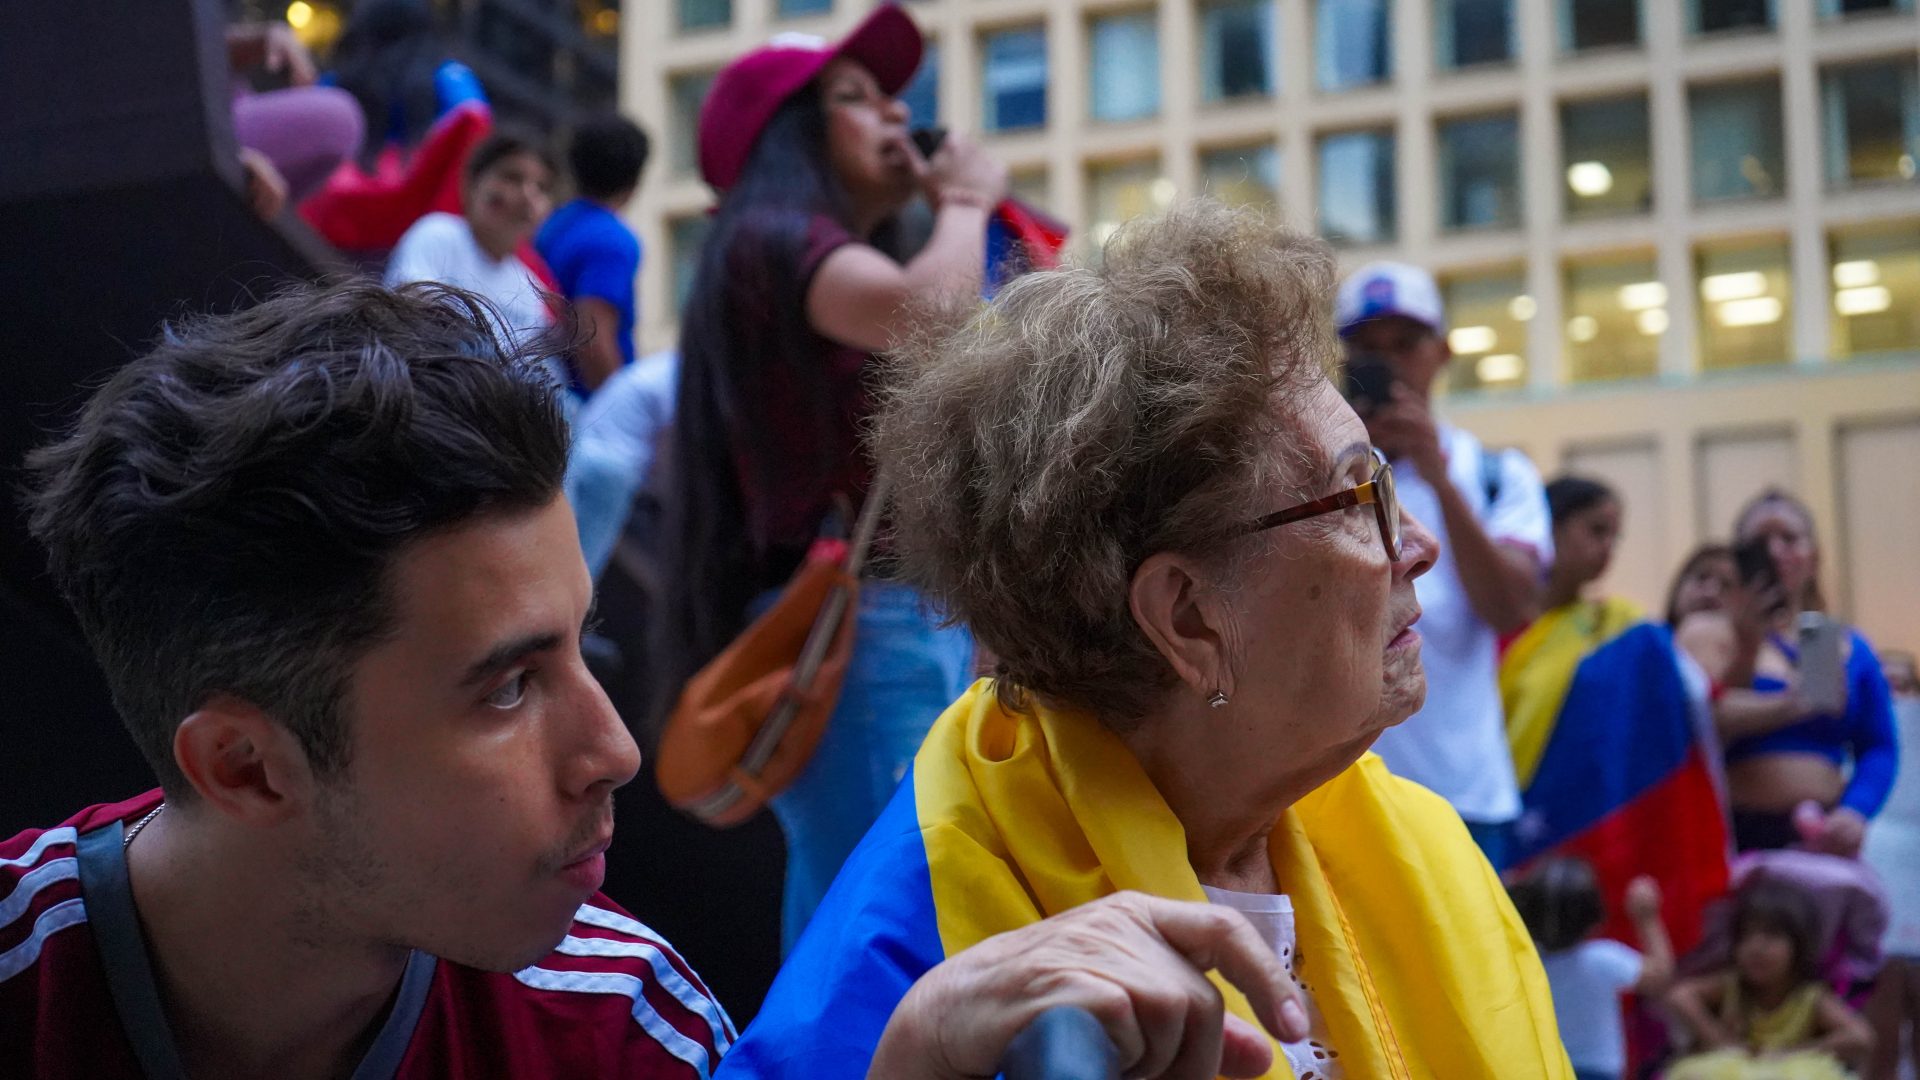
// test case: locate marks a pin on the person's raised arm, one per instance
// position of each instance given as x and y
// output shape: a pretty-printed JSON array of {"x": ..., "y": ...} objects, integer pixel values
[
  {"x": 862, "y": 298},
  {"x": 1696, "y": 1001},
  {"x": 1656, "y": 949},
  {"x": 1503, "y": 580},
  {"x": 1741, "y": 713},
  {"x": 1137, "y": 963}
]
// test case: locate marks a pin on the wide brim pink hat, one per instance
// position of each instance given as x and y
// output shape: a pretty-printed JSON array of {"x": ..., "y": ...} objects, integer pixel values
[{"x": 747, "y": 92}]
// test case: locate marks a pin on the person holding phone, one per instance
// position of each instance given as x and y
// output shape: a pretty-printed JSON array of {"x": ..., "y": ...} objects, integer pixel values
[
  {"x": 1817, "y": 725},
  {"x": 1490, "y": 513},
  {"x": 798, "y": 288}
]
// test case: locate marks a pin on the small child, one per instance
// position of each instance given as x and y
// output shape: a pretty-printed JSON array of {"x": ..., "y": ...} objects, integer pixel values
[
  {"x": 1769, "y": 1017},
  {"x": 1560, "y": 903}
]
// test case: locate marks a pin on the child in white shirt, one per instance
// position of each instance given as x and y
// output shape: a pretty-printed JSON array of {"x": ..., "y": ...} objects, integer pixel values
[{"x": 1560, "y": 903}]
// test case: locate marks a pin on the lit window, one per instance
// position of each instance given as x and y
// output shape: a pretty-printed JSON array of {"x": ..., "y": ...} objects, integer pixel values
[
  {"x": 1124, "y": 78},
  {"x": 1616, "y": 312},
  {"x": 1119, "y": 191},
  {"x": 1242, "y": 175},
  {"x": 1713, "y": 15},
  {"x": 1352, "y": 43},
  {"x": 1488, "y": 312},
  {"x": 922, "y": 95},
  {"x": 705, "y": 14},
  {"x": 685, "y": 238},
  {"x": 688, "y": 92},
  {"x": 1239, "y": 50},
  {"x": 1603, "y": 145},
  {"x": 1744, "y": 303},
  {"x": 1872, "y": 123},
  {"x": 1876, "y": 289},
  {"x": 1468, "y": 32},
  {"x": 1356, "y": 187},
  {"x": 1480, "y": 172},
  {"x": 1014, "y": 79},
  {"x": 1737, "y": 144}
]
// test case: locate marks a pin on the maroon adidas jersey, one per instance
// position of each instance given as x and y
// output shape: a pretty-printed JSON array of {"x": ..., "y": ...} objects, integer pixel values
[{"x": 77, "y": 997}]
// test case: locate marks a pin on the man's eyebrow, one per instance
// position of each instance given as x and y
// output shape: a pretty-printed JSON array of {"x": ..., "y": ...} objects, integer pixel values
[{"x": 509, "y": 653}]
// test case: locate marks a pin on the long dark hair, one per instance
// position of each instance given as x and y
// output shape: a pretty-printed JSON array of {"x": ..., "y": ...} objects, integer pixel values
[
  {"x": 1779, "y": 907},
  {"x": 388, "y": 58},
  {"x": 716, "y": 559}
]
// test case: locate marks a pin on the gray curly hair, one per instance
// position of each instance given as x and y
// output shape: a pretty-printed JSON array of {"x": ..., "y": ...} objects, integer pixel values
[{"x": 1044, "y": 446}]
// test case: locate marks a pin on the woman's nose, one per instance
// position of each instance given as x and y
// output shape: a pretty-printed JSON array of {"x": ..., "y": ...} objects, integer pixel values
[{"x": 897, "y": 111}]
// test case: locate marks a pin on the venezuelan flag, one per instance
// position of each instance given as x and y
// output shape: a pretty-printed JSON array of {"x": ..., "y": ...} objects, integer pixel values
[
  {"x": 1413, "y": 955},
  {"x": 1606, "y": 739}
]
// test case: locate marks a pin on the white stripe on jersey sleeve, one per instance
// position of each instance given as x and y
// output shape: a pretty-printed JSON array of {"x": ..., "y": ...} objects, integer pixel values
[
  {"x": 693, "y": 998},
  {"x": 29, "y": 886},
  {"x": 630, "y": 986},
  {"x": 51, "y": 921},
  {"x": 44, "y": 841}
]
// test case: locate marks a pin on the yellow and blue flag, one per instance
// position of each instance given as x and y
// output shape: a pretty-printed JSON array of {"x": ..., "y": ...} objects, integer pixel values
[
  {"x": 1406, "y": 939},
  {"x": 1614, "y": 766}
]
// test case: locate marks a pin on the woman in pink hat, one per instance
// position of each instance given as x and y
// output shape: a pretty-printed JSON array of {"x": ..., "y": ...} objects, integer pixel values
[{"x": 797, "y": 290}]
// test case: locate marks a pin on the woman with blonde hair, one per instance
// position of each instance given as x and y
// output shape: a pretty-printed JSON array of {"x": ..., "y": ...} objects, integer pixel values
[{"x": 1136, "y": 485}]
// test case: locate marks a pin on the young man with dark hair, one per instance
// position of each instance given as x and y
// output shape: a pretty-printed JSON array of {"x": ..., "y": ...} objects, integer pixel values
[
  {"x": 592, "y": 253},
  {"x": 320, "y": 552}
]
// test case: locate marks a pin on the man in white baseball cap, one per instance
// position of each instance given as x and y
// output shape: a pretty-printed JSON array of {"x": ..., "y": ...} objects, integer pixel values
[{"x": 1489, "y": 512}]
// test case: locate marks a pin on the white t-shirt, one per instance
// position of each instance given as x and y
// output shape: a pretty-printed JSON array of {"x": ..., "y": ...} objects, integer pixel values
[
  {"x": 1456, "y": 745},
  {"x": 1893, "y": 843},
  {"x": 1587, "y": 982},
  {"x": 1314, "y": 1057},
  {"x": 440, "y": 247}
]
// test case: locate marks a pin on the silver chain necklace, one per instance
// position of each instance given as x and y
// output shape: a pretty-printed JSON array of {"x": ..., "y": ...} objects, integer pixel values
[{"x": 141, "y": 824}]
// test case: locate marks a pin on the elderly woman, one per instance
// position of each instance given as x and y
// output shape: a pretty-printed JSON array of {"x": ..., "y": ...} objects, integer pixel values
[{"x": 1136, "y": 485}]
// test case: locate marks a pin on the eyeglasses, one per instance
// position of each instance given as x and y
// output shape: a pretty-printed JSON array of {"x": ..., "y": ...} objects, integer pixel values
[{"x": 1378, "y": 491}]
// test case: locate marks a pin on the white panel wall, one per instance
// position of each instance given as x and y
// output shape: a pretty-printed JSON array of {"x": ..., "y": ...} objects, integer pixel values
[{"x": 1639, "y": 571}]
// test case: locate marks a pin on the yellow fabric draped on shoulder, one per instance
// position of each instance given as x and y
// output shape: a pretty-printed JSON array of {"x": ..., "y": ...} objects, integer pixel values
[
  {"x": 1539, "y": 665},
  {"x": 1406, "y": 938}
]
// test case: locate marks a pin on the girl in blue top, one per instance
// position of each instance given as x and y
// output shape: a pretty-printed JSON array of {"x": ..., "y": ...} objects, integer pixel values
[{"x": 1781, "y": 752}]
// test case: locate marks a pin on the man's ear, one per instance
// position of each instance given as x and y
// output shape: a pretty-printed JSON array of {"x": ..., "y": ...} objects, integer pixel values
[
  {"x": 1185, "y": 620},
  {"x": 242, "y": 763}
]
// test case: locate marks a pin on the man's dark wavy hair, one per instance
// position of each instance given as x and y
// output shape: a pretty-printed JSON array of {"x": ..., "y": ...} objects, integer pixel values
[{"x": 224, "y": 512}]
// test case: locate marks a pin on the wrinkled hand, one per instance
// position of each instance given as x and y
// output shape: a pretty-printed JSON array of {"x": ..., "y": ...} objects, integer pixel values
[
  {"x": 1643, "y": 898},
  {"x": 1403, "y": 427},
  {"x": 1137, "y": 963},
  {"x": 266, "y": 188}
]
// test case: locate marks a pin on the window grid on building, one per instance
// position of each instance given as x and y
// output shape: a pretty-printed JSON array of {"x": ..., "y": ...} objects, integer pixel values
[{"x": 1245, "y": 102}]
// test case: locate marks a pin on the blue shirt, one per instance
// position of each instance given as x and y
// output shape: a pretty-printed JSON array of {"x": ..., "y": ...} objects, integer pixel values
[
  {"x": 1865, "y": 730},
  {"x": 594, "y": 255}
]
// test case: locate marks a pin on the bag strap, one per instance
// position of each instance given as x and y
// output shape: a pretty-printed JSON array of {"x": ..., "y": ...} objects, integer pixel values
[{"x": 826, "y": 627}]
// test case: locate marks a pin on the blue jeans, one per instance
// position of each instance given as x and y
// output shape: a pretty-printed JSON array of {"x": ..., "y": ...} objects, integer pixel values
[{"x": 904, "y": 672}]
